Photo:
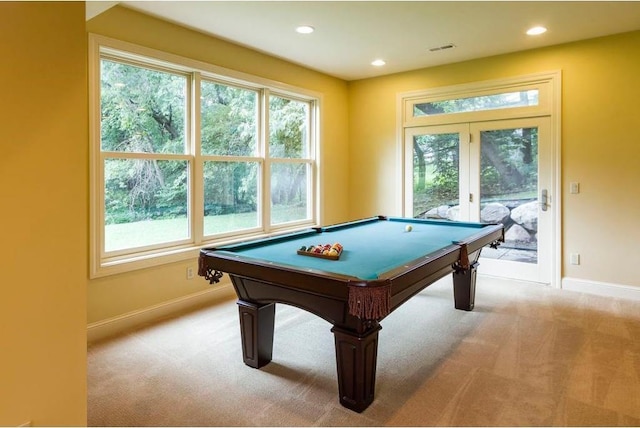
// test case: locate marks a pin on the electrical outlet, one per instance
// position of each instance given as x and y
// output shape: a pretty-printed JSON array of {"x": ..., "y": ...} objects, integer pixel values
[
  {"x": 574, "y": 258},
  {"x": 189, "y": 273}
]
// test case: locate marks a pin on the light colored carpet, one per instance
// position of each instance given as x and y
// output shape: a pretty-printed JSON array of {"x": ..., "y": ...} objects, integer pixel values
[{"x": 527, "y": 355}]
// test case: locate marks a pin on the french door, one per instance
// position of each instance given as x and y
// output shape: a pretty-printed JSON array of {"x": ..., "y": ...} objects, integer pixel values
[{"x": 491, "y": 171}]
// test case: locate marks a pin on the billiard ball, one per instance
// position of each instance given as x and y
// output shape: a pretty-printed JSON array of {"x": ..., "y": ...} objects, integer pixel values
[{"x": 408, "y": 228}]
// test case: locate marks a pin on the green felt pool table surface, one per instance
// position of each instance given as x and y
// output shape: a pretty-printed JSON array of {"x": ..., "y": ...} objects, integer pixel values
[{"x": 371, "y": 246}]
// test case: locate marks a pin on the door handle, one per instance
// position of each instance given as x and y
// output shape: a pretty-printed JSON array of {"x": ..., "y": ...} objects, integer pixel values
[{"x": 544, "y": 199}]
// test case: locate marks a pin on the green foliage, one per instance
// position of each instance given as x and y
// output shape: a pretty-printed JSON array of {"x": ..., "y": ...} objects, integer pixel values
[
  {"x": 436, "y": 169},
  {"x": 133, "y": 191},
  {"x": 287, "y": 128},
  {"x": 228, "y": 118},
  {"x": 230, "y": 187},
  {"x": 509, "y": 161},
  {"x": 229, "y": 128},
  {"x": 143, "y": 110}
]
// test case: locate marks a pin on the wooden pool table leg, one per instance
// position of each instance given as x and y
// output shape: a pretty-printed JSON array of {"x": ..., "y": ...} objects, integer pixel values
[
  {"x": 356, "y": 357},
  {"x": 464, "y": 287},
  {"x": 256, "y": 330}
]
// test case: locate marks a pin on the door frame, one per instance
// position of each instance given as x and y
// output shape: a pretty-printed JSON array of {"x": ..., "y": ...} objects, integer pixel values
[{"x": 550, "y": 86}]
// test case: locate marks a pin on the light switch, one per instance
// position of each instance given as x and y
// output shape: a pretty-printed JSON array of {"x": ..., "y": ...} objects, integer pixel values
[{"x": 574, "y": 187}]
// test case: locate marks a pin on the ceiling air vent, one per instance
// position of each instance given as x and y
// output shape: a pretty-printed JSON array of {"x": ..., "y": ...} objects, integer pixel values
[{"x": 442, "y": 48}]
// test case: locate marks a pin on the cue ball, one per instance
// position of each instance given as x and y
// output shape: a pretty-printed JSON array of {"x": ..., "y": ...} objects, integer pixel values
[{"x": 408, "y": 228}]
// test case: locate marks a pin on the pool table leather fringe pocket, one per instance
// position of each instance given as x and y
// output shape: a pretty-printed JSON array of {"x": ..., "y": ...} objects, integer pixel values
[{"x": 369, "y": 302}]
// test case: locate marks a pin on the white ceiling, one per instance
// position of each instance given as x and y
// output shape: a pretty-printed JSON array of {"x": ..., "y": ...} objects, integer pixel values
[{"x": 350, "y": 34}]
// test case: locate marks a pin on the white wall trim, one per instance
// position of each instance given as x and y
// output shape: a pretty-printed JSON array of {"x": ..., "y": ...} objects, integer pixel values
[
  {"x": 601, "y": 288},
  {"x": 112, "y": 326}
]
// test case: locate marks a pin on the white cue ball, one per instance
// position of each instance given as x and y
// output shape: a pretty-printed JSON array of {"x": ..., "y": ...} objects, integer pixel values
[{"x": 408, "y": 228}]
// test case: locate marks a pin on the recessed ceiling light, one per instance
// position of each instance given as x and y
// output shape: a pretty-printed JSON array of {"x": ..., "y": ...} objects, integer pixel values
[
  {"x": 534, "y": 31},
  {"x": 378, "y": 62},
  {"x": 305, "y": 29}
]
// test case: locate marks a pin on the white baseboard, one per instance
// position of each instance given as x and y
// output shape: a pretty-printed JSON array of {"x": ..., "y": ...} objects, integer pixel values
[
  {"x": 112, "y": 326},
  {"x": 601, "y": 288}
]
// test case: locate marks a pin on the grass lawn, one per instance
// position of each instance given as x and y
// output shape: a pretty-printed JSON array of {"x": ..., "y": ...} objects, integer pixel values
[{"x": 150, "y": 232}]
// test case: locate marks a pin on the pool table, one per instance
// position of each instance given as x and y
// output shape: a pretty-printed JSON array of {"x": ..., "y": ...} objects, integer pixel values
[{"x": 383, "y": 263}]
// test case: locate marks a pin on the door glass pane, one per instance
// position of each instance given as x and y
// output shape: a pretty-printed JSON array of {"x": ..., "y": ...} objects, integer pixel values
[
  {"x": 436, "y": 159},
  {"x": 230, "y": 196},
  {"x": 509, "y": 189}
]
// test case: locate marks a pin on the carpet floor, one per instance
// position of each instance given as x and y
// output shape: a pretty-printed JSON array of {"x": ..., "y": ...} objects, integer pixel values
[{"x": 527, "y": 355}]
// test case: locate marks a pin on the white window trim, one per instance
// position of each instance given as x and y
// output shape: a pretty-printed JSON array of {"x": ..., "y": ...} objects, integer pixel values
[{"x": 101, "y": 266}]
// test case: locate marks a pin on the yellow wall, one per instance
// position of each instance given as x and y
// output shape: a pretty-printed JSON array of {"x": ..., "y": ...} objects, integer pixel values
[
  {"x": 125, "y": 293},
  {"x": 600, "y": 144},
  {"x": 43, "y": 214}
]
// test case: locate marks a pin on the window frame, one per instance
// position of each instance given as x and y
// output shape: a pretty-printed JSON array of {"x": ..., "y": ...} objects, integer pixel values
[{"x": 104, "y": 263}]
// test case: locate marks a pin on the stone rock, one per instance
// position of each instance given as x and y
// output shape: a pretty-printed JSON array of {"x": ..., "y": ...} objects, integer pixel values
[
  {"x": 494, "y": 212},
  {"x": 438, "y": 212},
  {"x": 453, "y": 213},
  {"x": 517, "y": 233},
  {"x": 526, "y": 215}
]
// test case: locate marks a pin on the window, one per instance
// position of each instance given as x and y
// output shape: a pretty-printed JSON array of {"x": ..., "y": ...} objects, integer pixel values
[
  {"x": 478, "y": 103},
  {"x": 290, "y": 164},
  {"x": 504, "y": 99},
  {"x": 170, "y": 175},
  {"x": 144, "y": 156},
  {"x": 231, "y": 159}
]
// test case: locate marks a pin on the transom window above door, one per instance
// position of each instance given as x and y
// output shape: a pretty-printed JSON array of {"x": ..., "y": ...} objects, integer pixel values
[
  {"x": 506, "y": 99},
  {"x": 478, "y": 103}
]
